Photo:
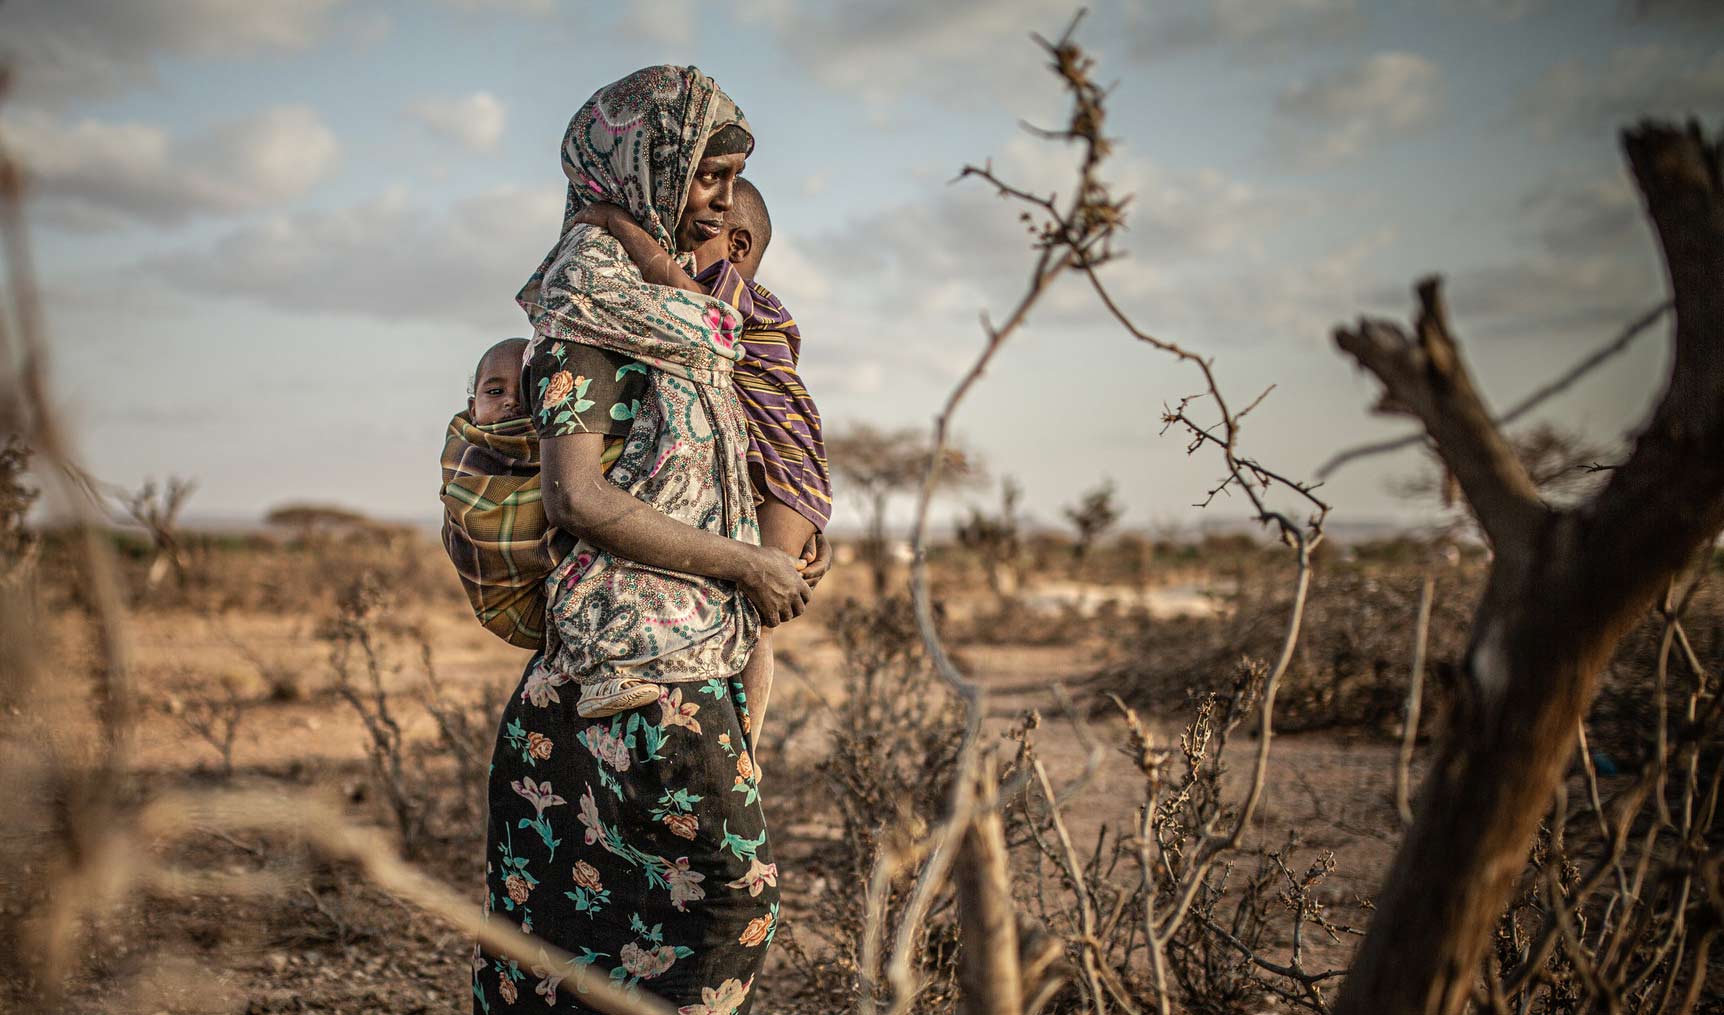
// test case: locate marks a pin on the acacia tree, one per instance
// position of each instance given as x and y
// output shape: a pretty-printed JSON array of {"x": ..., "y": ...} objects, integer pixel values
[
  {"x": 880, "y": 464},
  {"x": 1093, "y": 514},
  {"x": 157, "y": 510},
  {"x": 307, "y": 520},
  {"x": 1565, "y": 585},
  {"x": 997, "y": 539}
]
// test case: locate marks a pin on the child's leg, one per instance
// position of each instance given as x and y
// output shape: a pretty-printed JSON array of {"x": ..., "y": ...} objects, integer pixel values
[
  {"x": 756, "y": 680},
  {"x": 782, "y": 527}
]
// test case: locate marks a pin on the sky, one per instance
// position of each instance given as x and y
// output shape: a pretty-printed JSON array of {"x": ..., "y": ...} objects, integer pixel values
[{"x": 274, "y": 238}]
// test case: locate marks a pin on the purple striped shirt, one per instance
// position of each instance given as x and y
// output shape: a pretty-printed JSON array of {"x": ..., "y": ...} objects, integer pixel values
[{"x": 785, "y": 449}]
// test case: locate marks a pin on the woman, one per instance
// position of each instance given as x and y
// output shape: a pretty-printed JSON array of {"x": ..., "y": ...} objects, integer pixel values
[{"x": 636, "y": 842}]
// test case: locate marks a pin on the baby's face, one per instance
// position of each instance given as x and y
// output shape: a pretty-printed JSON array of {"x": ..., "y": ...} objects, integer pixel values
[
  {"x": 497, "y": 395},
  {"x": 713, "y": 251},
  {"x": 734, "y": 244}
]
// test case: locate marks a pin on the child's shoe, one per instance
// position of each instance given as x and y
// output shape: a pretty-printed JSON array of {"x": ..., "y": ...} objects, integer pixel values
[{"x": 608, "y": 697}]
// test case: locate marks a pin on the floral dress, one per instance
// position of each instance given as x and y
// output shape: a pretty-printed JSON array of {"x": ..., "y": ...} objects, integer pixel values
[{"x": 635, "y": 842}]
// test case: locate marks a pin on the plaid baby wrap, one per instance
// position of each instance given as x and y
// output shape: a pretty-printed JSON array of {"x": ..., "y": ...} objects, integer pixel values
[{"x": 494, "y": 526}]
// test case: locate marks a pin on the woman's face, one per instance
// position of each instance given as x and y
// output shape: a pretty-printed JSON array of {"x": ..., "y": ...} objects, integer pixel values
[{"x": 708, "y": 199}]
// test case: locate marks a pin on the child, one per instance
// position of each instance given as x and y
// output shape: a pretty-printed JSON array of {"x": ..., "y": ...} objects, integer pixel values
[
  {"x": 496, "y": 393},
  {"x": 494, "y": 527},
  {"x": 786, "y": 455}
]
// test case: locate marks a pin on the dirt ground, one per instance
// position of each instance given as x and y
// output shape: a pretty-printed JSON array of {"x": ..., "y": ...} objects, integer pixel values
[{"x": 326, "y": 942}]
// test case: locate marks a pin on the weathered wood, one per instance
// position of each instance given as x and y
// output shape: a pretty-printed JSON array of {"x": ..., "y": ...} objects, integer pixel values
[
  {"x": 989, "y": 981},
  {"x": 1564, "y": 587}
]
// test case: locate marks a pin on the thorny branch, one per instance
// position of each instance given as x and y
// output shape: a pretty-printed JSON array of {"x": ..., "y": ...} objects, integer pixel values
[{"x": 1077, "y": 235}]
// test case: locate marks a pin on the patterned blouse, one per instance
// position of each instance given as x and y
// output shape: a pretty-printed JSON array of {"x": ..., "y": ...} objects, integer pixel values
[{"x": 606, "y": 389}]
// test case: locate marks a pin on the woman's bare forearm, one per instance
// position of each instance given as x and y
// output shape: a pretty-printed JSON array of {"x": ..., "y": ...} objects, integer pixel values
[
  {"x": 757, "y": 686},
  {"x": 618, "y": 521},
  {"x": 579, "y": 499}
]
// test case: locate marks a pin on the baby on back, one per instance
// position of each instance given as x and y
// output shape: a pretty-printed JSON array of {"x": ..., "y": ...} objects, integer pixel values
[{"x": 494, "y": 526}]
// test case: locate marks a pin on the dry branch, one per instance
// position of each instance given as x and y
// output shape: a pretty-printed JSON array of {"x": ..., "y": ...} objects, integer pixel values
[
  {"x": 1563, "y": 589},
  {"x": 989, "y": 977},
  {"x": 1532, "y": 400}
]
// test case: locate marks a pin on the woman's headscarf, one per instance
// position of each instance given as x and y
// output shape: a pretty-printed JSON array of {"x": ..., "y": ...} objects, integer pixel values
[{"x": 635, "y": 143}]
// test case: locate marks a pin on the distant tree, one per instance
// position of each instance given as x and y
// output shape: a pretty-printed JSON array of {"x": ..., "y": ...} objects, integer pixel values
[
  {"x": 1093, "y": 514},
  {"x": 309, "y": 520},
  {"x": 157, "y": 510},
  {"x": 880, "y": 463},
  {"x": 997, "y": 539}
]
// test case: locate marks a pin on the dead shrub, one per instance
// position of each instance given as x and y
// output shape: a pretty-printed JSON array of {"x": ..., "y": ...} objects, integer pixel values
[
  {"x": 215, "y": 719},
  {"x": 355, "y": 645},
  {"x": 1351, "y": 666},
  {"x": 885, "y": 779}
]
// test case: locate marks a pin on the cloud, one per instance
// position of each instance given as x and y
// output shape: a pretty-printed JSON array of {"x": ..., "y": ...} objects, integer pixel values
[
  {"x": 538, "y": 8},
  {"x": 1338, "y": 115},
  {"x": 1294, "y": 299},
  {"x": 1696, "y": 11},
  {"x": 390, "y": 258},
  {"x": 65, "y": 49},
  {"x": 894, "y": 293},
  {"x": 1504, "y": 10},
  {"x": 100, "y": 174},
  {"x": 1634, "y": 81},
  {"x": 1586, "y": 215},
  {"x": 1257, "y": 25},
  {"x": 476, "y": 121},
  {"x": 881, "y": 52},
  {"x": 669, "y": 24},
  {"x": 1551, "y": 290},
  {"x": 1589, "y": 257},
  {"x": 1596, "y": 259},
  {"x": 956, "y": 249}
]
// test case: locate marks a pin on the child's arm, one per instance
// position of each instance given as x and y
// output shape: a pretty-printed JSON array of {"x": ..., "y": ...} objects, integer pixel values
[{"x": 657, "y": 267}]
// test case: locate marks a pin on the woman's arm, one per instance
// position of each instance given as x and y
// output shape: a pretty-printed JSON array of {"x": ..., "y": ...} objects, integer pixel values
[
  {"x": 579, "y": 499},
  {"x": 657, "y": 267}
]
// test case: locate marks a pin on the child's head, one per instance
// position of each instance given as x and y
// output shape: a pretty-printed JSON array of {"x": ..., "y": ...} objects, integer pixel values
[
  {"x": 495, "y": 394},
  {"x": 747, "y": 231}
]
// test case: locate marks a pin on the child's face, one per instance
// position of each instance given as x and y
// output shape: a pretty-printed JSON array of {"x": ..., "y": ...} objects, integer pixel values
[
  {"x": 497, "y": 393},
  {"x": 712, "y": 251},
  {"x": 735, "y": 244}
]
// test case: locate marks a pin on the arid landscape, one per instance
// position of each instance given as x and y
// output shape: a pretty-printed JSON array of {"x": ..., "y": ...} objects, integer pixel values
[
  {"x": 248, "y": 680},
  {"x": 1471, "y": 763}
]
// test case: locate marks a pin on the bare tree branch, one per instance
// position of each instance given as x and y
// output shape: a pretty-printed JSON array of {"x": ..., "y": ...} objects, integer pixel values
[
  {"x": 1424, "y": 376},
  {"x": 1564, "y": 588},
  {"x": 1562, "y": 382}
]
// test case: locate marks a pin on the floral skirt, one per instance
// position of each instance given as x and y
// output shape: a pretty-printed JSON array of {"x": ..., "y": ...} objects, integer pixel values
[{"x": 636, "y": 843}]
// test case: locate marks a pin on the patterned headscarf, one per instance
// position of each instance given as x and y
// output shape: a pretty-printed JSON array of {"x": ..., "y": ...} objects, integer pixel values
[{"x": 636, "y": 143}]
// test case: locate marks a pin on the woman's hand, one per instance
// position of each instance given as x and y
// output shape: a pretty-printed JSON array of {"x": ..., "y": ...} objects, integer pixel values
[
  {"x": 816, "y": 559},
  {"x": 772, "y": 582}
]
